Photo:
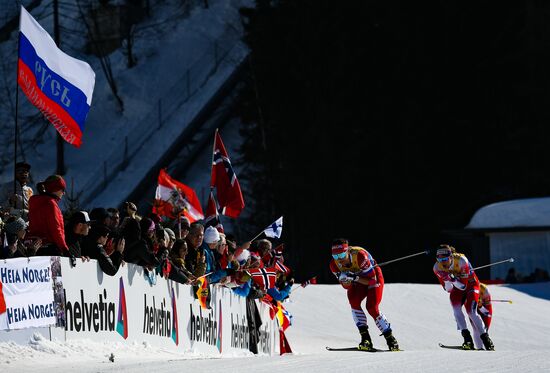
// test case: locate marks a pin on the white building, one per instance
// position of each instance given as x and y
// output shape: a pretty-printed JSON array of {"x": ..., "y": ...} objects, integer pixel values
[{"x": 518, "y": 229}]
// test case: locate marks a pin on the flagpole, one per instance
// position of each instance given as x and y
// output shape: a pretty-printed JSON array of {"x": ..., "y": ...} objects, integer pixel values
[
  {"x": 211, "y": 171},
  {"x": 256, "y": 236},
  {"x": 179, "y": 225},
  {"x": 16, "y": 110}
]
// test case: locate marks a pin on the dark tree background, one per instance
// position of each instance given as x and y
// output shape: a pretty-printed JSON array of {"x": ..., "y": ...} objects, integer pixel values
[{"x": 388, "y": 122}]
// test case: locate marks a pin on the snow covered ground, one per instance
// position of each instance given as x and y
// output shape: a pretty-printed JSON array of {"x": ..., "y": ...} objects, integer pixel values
[{"x": 420, "y": 316}]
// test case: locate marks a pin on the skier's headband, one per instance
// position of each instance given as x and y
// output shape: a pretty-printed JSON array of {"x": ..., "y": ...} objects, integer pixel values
[
  {"x": 339, "y": 248},
  {"x": 443, "y": 254}
]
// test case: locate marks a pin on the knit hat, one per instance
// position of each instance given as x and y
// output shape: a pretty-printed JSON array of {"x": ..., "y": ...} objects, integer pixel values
[
  {"x": 54, "y": 183},
  {"x": 23, "y": 165},
  {"x": 211, "y": 235},
  {"x": 243, "y": 257},
  {"x": 99, "y": 214},
  {"x": 15, "y": 225},
  {"x": 170, "y": 233}
]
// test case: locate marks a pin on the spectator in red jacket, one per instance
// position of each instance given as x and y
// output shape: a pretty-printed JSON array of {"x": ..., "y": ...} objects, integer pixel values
[{"x": 46, "y": 219}]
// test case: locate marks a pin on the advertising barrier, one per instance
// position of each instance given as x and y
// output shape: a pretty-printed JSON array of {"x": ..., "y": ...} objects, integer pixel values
[
  {"x": 127, "y": 307},
  {"x": 26, "y": 293}
]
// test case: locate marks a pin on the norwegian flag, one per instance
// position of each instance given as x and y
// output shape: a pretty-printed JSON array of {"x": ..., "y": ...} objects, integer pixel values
[
  {"x": 312, "y": 280},
  {"x": 224, "y": 179},
  {"x": 212, "y": 217},
  {"x": 280, "y": 267},
  {"x": 264, "y": 277},
  {"x": 173, "y": 198}
]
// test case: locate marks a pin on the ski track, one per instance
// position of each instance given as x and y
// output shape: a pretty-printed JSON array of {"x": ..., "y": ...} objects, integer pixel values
[{"x": 420, "y": 316}]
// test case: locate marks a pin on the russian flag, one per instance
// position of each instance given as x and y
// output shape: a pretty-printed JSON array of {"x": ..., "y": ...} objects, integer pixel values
[{"x": 59, "y": 85}]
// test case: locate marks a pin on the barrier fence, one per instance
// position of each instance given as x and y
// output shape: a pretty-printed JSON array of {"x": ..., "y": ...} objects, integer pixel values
[{"x": 47, "y": 294}]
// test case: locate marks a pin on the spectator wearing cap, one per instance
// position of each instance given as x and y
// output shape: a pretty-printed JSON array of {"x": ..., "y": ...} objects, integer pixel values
[
  {"x": 209, "y": 245},
  {"x": 77, "y": 228},
  {"x": 46, "y": 219},
  {"x": 114, "y": 226},
  {"x": 130, "y": 228},
  {"x": 16, "y": 229},
  {"x": 221, "y": 269},
  {"x": 178, "y": 271},
  {"x": 100, "y": 215},
  {"x": 195, "y": 261},
  {"x": 114, "y": 214},
  {"x": 171, "y": 238},
  {"x": 94, "y": 248},
  {"x": 140, "y": 251},
  {"x": 183, "y": 227},
  {"x": 16, "y": 201}
]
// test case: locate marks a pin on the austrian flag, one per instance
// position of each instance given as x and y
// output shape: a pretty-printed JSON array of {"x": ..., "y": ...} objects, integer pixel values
[
  {"x": 59, "y": 85},
  {"x": 173, "y": 198}
]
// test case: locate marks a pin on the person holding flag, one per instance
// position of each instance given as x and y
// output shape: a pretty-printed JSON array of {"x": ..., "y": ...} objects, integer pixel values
[{"x": 358, "y": 273}]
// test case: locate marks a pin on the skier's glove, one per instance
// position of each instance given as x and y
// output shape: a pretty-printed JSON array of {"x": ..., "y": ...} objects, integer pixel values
[{"x": 347, "y": 277}]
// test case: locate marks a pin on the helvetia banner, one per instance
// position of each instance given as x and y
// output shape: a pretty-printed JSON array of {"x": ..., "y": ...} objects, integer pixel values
[{"x": 27, "y": 293}]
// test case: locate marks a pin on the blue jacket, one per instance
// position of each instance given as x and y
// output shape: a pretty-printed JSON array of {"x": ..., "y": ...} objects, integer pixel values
[
  {"x": 279, "y": 295},
  {"x": 244, "y": 289}
]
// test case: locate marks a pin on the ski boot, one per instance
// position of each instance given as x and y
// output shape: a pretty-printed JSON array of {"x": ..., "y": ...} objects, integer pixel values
[
  {"x": 487, "y": 342},
  {"x": 468, "y": 341},
  {"x": 391, "y": 341},
  {"x": 366, "y": 343}
]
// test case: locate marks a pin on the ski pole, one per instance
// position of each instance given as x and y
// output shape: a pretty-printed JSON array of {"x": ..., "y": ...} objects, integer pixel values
[
  {"x": 511, "y": 260},
  {"x": 426, "y": 252},
  {"x": 501, "y": 300}
]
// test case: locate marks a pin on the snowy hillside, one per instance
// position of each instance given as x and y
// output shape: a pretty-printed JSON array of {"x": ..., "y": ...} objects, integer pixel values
[{"x": 420, "y": 316}]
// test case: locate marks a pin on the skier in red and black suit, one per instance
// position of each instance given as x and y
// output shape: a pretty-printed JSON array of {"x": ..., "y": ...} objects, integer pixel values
[
  {"x": 357, "y": 271},
  {"x": 456, "y": 275}
]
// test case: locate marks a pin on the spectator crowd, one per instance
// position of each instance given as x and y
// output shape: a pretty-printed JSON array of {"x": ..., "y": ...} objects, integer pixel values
[{"x": 32, "y": 224}]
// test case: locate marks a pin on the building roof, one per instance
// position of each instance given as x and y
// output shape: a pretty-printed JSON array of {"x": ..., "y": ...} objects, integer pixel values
[{"x": 519, "y": 213}]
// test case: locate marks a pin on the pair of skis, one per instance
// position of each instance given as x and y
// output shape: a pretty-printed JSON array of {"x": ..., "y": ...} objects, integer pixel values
[
  {"x": 460, "y": 348},
  {"x": 357, "y": 349},
  {"x": 378, "y": 350}
]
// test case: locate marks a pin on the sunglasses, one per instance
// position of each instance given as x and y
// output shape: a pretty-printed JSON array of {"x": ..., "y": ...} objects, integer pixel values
[
  {"x": 443, "y": 258},
  {"x": 340, "y": 256}
]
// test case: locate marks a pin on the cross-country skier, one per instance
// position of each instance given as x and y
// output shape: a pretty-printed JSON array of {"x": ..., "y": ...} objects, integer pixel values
[
  {"x": 356, "y": 270},
  {"x": 485, "y": 310},
  {"x": 457, "y": 277}
]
